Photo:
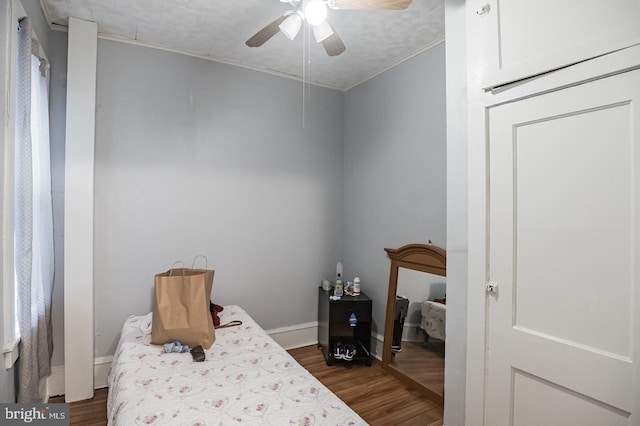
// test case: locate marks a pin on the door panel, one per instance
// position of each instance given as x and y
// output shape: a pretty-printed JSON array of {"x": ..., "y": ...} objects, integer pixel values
[
  {"x": 557, "y": 406},
  {"x": 525, "y": 38},
  {"x": 574, "y": 163},
  {"x": 563, "y": 235}
]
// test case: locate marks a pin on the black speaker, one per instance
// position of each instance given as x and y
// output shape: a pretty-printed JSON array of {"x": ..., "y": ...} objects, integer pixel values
[{"x": 402, "y": 307}]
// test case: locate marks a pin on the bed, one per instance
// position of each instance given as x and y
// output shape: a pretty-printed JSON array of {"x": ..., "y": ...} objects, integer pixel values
[
  {"x": 247, "y": 378},
  {"x": 433, "y": 320}
]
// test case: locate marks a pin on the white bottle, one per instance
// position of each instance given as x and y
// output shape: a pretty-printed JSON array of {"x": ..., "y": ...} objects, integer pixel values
[
  {"x": 337, "y": 289},
  {"x": 356, "y": 286}
]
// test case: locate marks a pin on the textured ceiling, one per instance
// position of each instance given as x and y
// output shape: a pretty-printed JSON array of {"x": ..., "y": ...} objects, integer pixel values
[{"x": 375, "y": 39}]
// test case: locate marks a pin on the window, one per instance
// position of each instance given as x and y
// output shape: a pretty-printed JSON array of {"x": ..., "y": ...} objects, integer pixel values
[{"x": 27, "y": 222}]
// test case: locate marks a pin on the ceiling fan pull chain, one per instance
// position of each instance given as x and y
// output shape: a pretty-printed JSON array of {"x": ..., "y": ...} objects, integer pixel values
[{"x": 303, "y": 77}]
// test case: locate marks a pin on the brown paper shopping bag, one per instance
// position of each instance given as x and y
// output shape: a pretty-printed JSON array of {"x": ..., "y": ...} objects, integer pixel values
[{"x": 181, "y": 307}]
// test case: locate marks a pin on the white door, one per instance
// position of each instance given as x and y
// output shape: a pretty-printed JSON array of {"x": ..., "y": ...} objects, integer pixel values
[{"x": 564, "y": 324}]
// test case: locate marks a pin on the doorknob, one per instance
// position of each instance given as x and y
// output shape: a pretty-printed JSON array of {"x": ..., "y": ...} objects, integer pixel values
[{"x": 491, "y": 287}]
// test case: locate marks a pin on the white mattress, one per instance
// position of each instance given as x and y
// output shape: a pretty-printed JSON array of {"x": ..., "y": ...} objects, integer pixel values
[
  {"x": 247, "y": 378},
  {"x": 434, "y": 317}
]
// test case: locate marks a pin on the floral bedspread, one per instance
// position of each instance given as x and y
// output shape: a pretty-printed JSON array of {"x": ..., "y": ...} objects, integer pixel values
[
  {"x": 434, "y": 319},
  {"x": 247, "y": 378}
]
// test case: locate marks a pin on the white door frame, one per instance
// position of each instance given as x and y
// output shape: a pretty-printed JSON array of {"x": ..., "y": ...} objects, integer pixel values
[{"x": 479, "y": 102}]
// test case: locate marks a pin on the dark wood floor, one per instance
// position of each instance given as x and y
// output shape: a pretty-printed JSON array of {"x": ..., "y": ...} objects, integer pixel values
[
  {"x": 377, "y": 397},
  {"x": 91, "y": 412}
]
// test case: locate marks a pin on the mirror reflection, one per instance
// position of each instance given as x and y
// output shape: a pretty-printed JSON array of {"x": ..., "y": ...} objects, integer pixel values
[
  {"x": 414, "y": 329},
  {"x": 417, "y": 345}
]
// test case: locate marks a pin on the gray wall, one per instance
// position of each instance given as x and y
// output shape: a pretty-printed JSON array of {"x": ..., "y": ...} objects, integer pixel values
[
  {"x": 395, "y": 169},
  {"x": 197, "y": 157},
  {"x": 57, "y": 116}
]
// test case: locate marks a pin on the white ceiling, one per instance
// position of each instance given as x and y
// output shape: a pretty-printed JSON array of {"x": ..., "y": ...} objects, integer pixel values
[{"x": 375, "y": 39}]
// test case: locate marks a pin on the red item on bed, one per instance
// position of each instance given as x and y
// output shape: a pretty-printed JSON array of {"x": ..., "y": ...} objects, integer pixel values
[{"x": 214, "y": 309}]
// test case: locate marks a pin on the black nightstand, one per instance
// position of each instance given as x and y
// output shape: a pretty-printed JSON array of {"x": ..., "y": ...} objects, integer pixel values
[{"x": 334, "y": 327}]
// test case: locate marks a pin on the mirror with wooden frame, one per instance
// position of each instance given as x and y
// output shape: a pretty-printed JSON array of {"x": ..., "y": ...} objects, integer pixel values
[{"x": 428, "y": 259}]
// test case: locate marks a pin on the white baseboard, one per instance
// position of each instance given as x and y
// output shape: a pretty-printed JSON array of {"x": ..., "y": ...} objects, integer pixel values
[
  {"x": 376, "y": 346},
  {"x": 300, "y": 335},
  {"x": 101, "y": 366},
  {"x": 412, "y": 333},
  {"x": 295, "y": 336}
]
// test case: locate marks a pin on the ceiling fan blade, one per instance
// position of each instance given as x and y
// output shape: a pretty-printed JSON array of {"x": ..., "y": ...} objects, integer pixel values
[
  {"x": 266, "y": 33},
  {"x": 369, "y": 4},
  {"x": 333, "y": 45}
]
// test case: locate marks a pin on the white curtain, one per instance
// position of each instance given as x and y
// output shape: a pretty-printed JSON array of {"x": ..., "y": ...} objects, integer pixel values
[{"x": 33, "y": 218}]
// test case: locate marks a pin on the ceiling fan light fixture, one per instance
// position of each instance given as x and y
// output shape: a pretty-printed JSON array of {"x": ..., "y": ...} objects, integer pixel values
[
  {"x": 290, "y": 27},
  {"x": 315, "y": 12},
  {"x": 322, "y": 31}
]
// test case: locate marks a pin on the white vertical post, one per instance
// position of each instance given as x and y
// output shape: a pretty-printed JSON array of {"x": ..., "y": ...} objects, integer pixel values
[
  {"x": 78, "y": 210},
  {"x": 7, "y": 89}
]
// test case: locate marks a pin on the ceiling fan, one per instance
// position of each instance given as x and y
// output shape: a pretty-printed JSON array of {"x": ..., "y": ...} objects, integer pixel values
[{"x": 314, "y": 13}]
